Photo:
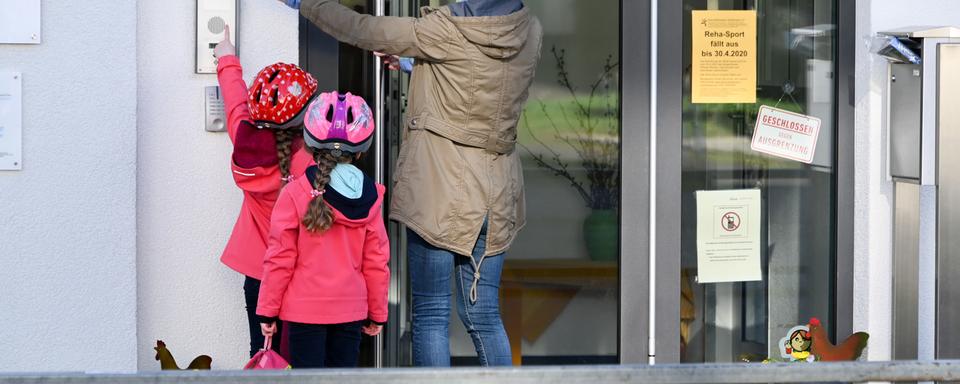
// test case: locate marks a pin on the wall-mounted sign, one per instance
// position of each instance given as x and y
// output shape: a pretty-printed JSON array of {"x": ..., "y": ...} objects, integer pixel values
[
  {"x": 724, "y": 57},
  {"x": 11, "y": 111},
  {"x": 786, "y": 134},
  {"x": 20, "y": 22},
  {"x": 728, "y": 236}
]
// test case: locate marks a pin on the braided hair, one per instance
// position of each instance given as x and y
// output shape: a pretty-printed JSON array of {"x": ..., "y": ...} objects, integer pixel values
[
  {"x": 319, "y": 217},
  {"x": 284, "y": 140}
]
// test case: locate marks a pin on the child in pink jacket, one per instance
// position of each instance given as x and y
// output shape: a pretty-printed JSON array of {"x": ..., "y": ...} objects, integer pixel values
[
  {"x": 325, "y": 273},
  {"x": 267, "y": 153}
]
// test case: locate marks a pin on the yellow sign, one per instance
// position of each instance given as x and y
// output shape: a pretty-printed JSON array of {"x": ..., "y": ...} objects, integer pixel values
[{"x": 724, "y": 57}]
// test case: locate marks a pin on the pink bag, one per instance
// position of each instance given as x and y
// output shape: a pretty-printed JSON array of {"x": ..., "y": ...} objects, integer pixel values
[{"x": 267, "y": 358}]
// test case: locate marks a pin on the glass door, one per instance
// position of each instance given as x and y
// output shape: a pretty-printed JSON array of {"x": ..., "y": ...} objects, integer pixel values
[
  {"x": 559, "y": 293},
  {"x": 560, "y": 285},
  {"x": 795, "y": 57}
]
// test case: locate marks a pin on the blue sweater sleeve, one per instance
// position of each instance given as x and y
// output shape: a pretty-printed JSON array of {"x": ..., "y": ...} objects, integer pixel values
[
  {"x": 295, "y": 4},
  {"x": 406, "y": 64}
]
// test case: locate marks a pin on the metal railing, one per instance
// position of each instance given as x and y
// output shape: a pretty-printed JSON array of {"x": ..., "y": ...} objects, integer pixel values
[{"x": 943, "y": 370}]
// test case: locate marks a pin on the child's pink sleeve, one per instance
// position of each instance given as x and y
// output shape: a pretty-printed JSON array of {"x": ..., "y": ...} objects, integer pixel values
[
  {"x": 281, "y": 256},
  {"x": 234, "y": 91},
  {"x": 254, "y": 150},
  {"x": 376, "y": 269}
]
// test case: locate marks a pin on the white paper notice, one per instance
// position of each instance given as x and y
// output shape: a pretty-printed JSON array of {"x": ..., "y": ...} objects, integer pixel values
[
  {"x": 20, "y": 22},
  {"x": 785, "y": 134},
  {"x": 11, "y": 112},
  {"x": 728, "y": 236}
]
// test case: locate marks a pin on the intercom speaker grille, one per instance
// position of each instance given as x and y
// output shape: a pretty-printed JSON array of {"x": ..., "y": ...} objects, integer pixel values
[{"x": 216, "y": 25}]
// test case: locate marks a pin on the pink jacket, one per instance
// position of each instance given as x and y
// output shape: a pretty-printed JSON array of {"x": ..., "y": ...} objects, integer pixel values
[
  {"x": 337, "y": 276},
  {"x": 260, "y": 185}
]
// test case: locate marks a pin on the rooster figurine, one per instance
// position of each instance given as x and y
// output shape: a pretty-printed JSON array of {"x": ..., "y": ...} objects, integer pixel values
[
  {"x": 821, "y": 347},
  {"x": 168, "y": 363}
]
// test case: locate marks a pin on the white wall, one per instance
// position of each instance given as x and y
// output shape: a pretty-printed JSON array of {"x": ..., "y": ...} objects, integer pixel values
[
  {"x": 187, "y": 202},
  {"x": 873, "y": 201},
  {"x": 874, "y": 197},
  {"x": 68, "y": 220}
]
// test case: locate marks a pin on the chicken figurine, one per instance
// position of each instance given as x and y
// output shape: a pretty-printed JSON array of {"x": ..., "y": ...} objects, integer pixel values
[
  {"x": 167, "y": 362},
  {"x": 821, "y": 347}
]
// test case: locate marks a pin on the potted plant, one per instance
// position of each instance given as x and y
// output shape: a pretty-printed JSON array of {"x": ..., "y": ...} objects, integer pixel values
[{"x": 588, "y": 124}]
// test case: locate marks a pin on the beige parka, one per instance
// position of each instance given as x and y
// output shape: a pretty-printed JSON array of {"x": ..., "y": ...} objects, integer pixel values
[{"x": 458, "y": 162}]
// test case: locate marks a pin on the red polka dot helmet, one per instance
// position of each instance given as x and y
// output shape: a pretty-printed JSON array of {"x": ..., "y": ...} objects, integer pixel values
[
  {"x": 279, "y": 95},
  {"x": 339, "y": 122}
]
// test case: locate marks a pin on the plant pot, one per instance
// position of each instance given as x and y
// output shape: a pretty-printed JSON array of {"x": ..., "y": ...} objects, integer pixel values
[{"x": 600, "y": 233}]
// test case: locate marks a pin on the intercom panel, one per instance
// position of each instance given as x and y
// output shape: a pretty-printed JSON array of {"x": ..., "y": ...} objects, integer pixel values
[
  {"x": 212, "y": 18},
  {"x": 215, "y": 119}
]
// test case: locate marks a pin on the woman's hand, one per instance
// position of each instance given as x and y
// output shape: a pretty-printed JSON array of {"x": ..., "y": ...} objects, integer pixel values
[
  {"x": 391, "y": 61},
  {"x": 372, "y": 329},
  {"x": 225, "y": 47},
  {"x": 396, "y": 63},
  {"x": 268, "y": 329}
]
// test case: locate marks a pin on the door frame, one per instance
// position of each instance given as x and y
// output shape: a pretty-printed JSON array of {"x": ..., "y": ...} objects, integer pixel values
[
  {"x": 650, "y": 231},
  {"x": 635, "y": 181}
]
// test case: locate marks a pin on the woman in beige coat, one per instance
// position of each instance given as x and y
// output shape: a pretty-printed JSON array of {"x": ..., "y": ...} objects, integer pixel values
[{"x": 459, "y": 182}]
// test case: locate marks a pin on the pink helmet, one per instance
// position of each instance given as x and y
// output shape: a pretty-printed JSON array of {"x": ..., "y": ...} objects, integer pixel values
[{"x": 339, "y": 122}]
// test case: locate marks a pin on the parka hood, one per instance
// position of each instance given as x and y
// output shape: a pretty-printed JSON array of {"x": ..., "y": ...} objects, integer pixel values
[
  {"x": 485, "y": 7},
  {"x": 499, "y": 37}
]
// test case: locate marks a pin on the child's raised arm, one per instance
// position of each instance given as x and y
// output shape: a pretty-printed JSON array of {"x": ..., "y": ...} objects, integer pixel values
[
  {"x": 254, "y": 150},
  {"x": 232, "y": 86}
]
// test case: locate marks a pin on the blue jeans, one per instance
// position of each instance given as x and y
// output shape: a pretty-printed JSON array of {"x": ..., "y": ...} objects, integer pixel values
[{"x": 430, "y": 271}]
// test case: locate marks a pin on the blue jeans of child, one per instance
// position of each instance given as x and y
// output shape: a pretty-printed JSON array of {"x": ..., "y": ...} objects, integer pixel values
[{"x": 430, "y": 272}]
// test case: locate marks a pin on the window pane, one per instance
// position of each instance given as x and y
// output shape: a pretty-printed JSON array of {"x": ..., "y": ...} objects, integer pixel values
[
  {"x": 560, "y": 279},
  {"x": 726, "y": 322}
]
